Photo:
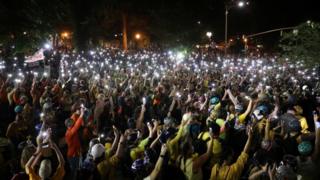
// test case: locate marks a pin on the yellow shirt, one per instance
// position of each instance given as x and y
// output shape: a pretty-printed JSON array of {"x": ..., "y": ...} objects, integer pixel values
[
  {"x": 187, "y": 169},
  {"x": 107, "y": 168},
  {"x": 134, "y": 153},
  {"x": 58, "y": 175},
  {"x": 232, "y": 172},
  {"x": 303, "y": 124}
]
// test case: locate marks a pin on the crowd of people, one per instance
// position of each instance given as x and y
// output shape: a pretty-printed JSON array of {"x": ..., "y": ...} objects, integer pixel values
[{"x": 109, "y": 114}]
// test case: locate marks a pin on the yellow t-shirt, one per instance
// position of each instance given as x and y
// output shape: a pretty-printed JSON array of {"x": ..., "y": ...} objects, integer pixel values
[
  {"x": 107, "y": 167},
  {"x": 58, "y": 175},
  {"x": 187, "y": 169},
  {"x": 134, "y": 152},
  {"x": 232, "y": 172},
  {"x": 303, "y": 124}
]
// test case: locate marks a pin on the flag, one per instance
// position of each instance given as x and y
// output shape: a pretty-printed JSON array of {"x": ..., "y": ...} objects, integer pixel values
[{"x": 38, "y": 56}]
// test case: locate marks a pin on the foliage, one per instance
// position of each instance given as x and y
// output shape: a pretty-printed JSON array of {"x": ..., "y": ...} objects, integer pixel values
[{"x": 303, "y": 43}]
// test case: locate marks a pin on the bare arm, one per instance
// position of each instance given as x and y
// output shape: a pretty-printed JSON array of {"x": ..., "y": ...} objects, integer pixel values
[
  {"x": 315, "y": 155},
  {"x": 159, "y": 163},
  {"x": 248, "y": 108},
  {"x": 115, "y": 141},
  {"x": 232, "y": 98},
  {"x": 248, "y": 143},
  {"x": 141, "y": 117},
  {"x": 120, "y": 149},
  {"x": 171, "y": 107},
  {"x": 58, "y": 153}
]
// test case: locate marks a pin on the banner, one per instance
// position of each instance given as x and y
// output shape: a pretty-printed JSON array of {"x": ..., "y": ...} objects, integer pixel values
[{"x": 38, "y": 56}]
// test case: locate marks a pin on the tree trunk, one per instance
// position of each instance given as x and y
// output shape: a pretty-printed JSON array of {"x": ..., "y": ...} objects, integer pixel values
[{"x": 124, "y": 32}]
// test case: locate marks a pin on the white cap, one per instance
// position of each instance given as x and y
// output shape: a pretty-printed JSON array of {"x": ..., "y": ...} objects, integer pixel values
[
  {"x": 97, "y": 151},
  {"x": 45, "y": 169}
]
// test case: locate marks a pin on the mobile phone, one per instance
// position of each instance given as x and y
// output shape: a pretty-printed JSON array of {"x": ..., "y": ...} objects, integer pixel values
[{"x": 45, "y": 145}]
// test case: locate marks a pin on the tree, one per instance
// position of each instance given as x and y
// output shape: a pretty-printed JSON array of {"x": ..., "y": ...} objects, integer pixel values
[{"x": 303, "y": 43}]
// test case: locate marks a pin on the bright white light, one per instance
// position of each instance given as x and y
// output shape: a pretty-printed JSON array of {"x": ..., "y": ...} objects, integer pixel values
[
  {"x": 240, "y": 3},
  {"x": 47, "y": 46},
  {"x": 209, "y": 34}
]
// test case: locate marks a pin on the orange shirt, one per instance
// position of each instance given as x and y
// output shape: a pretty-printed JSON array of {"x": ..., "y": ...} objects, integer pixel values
[{"x": 72, "y": 139}]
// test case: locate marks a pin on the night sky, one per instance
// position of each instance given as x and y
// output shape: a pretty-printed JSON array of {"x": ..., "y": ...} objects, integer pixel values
[
  {"x": 177, "y": 16},
  {"x": 260, "y": 15}
]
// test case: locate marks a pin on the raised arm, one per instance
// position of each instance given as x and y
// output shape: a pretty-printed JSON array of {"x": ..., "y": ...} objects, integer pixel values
[
  {"x": 78, "y": 123},
  {"x": 315, "y": 155},
  {"x": 248, "y": 110},
  {"x": 198, "y": 162},
  {"x": 232, "y": 98},
  {"x": 141, "y": 117},
  {"x": 120, "y": 149},
  {"x": 58, "y": 153},
  {"x": 33, "y": 160},
  {"x": 159, "y": 163},
  {"x": 115, "y": 141},
  {"x": 248, "y": 143}
]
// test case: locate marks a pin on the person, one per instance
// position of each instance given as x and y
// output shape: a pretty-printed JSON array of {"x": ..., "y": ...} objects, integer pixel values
[
  {"x": 73, "y": 141},
  {"x": 227, "y": 171},
  {"x": 155, "y": 172},
  {"x": 45, "y": 169},
  {"x": 189, "y": 163}
]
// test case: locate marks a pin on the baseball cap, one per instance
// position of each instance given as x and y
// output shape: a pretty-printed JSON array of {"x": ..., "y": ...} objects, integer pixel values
[{"x": 97, "y": 151}]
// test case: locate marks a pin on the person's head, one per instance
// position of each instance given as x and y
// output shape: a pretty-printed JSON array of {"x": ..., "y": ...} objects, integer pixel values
[
  {"x": 305, "y": 148},
  {"x": 97, "y": 152},
  {"x": 45, "y": 169},
  {"x": 18, "y": 109}
]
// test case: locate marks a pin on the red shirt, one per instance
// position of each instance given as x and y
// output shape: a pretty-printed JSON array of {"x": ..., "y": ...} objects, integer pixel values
[{"x": 72, "y": 139}]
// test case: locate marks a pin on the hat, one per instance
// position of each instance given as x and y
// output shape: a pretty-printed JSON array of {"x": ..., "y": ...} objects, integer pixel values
[
  {"x": 18, "y": 109},
  {"x": 305, "y": 148},
  {"x": 214, "y": 100},
  {"x": 97, "y": 151},
  {"x": 45, "y": 169},
  {"x": 263, "y": 109}
]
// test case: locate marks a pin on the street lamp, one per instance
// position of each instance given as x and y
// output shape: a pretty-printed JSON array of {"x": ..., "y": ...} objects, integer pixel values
[
  {"x": 228, "y": 6},
  {"x": 209, "y": 34},
  {"x": 65, "y": 35},
  {"x": 137, "y": 36}
]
